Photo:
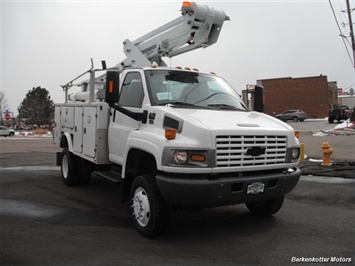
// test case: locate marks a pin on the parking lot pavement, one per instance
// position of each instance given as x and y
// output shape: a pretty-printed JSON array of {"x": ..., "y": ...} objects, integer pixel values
[{"x": 44, "y": 222}]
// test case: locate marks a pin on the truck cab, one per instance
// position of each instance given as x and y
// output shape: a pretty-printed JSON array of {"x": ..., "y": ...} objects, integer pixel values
[{"x": 199, "y": 143}]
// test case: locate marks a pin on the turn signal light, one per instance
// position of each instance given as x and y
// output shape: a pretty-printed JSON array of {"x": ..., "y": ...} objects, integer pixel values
[
  {"x": 186, "y": 4},
  {"x": 110, "y": 86},
  {"x": 297, "y": 134},
  {"x": 197, "y": 158},
  {"x": 170, "y": 133}
]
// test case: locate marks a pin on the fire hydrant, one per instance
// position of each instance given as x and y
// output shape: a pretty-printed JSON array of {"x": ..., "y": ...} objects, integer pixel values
[{"x": 327, "y": 151}]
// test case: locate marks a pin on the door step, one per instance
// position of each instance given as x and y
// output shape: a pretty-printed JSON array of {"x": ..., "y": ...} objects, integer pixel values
[{"x": 112, "y": 176}]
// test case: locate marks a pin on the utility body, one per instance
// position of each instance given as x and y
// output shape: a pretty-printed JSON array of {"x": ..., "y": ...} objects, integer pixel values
[{"x": 173, "y": 137}]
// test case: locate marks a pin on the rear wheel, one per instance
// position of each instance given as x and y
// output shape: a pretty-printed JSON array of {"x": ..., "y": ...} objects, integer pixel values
[
  {"x": 330, "y": 120},
  {"x": 84, "y": 172},
  {"x": 68, "y": 170},
  {"x": 266, "y": 208},
  {"x": 150, "y": 211},
  {"x": 295, "y": 119}
]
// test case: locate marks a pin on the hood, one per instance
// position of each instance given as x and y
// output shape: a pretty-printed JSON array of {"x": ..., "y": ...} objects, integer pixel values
[{"x": 231, "y": 120}]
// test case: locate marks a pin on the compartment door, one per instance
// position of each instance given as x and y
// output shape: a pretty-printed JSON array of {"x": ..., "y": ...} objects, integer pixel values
[
  {"x": 78, "y": 129},
  {"x": 89, "y": 131}
]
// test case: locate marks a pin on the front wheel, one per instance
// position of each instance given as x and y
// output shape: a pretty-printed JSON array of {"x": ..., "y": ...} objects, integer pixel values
[
  {"x": 266, "y": 208},
  {"x": 295, "y": 119},
  {"x": 150, "y": 211}
]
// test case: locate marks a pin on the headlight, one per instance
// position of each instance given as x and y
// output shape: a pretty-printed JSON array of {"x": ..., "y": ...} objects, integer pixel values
[
  {"x": 293, "y": 154},
  {"x": 180, "y": 157},
  {"x": 188, "y": 158}
]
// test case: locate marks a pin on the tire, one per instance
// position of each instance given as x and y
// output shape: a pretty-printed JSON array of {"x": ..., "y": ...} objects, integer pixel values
[
  {"x": 301, "y": 120},
  {"x": 330, "y": 120},
  {"x": 11, "y": 134},
  {"x": 295, "y": 119},
  {"x": 84, "y": 174},
  {"x": 150, "y": 211},
  {"x": 68, "y": 170},
  {"x": 266, "y": 208}
]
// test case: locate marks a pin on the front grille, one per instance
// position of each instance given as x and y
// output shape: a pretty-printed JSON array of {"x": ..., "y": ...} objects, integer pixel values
[{"x": 231, "y": 151}]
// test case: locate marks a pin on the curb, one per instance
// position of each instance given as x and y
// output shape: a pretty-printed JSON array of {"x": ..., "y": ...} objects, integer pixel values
[{"x": 344, "y": 169}]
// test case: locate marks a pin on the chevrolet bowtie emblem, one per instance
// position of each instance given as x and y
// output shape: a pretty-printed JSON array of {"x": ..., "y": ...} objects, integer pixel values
[{"x": 255, "y": 151}]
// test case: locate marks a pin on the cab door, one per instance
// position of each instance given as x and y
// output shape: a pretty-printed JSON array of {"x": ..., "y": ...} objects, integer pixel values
[{"x": 121, "y": 126}]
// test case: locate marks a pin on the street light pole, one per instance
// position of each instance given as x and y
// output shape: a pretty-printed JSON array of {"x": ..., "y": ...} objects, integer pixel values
[{"x": 351, "y": 30}]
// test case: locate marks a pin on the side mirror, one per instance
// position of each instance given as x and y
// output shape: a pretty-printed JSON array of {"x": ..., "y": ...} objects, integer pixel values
[
  {"x": 112, "y": 86},
  {"x": 259, "y": 98}
]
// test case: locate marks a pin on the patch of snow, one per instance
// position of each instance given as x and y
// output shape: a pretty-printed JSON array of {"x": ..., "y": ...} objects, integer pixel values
[{"x": 345, "y": 124}]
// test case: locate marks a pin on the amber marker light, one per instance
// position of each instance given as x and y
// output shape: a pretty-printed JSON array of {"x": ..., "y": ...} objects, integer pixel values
[
  {"x": 197, "y": 158},
  {"x": 186, "y": 4},
  {"x": 170, "y": 133},
  {"x": 297, "y": 134},
  {"x": 110, "y": 86}
]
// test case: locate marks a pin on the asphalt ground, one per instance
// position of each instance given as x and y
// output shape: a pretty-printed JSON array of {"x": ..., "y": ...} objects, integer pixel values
[{"x": 44, "y": 222}]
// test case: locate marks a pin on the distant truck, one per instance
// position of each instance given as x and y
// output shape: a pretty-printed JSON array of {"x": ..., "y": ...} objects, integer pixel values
[
  {"x": 338, "y": 112},
  {"x": 347, "y": 100},
  {"x": 174, "y": 137}
]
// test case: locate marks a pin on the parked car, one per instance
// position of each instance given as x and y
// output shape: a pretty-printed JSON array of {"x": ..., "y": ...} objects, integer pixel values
[
  {"x": 295, "y": 115},
  {"x": 338, "y": 112},
  {"x": 4, "y": 131}
]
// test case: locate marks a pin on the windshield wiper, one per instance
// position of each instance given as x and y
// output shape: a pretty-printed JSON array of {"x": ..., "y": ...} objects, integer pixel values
[
  {"x": 222, "y": 106},
  {"x": 184, "y": 104}
]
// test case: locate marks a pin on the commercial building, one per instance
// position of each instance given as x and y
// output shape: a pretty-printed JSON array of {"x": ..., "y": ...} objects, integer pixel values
[{"x": 314, "y": 95}]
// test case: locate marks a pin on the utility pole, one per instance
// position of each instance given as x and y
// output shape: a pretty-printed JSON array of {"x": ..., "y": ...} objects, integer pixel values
[{"x": 351, "y": 30}]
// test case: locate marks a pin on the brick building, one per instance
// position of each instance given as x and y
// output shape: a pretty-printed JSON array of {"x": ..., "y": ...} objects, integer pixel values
[{"x": 314, "y": 95}]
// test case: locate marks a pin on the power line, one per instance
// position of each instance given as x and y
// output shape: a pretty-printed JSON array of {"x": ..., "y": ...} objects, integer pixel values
[{"x": 341, "y": 34}]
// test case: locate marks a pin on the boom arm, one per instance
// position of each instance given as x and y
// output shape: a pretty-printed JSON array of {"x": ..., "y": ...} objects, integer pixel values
[{"x": 198, "y": 27}]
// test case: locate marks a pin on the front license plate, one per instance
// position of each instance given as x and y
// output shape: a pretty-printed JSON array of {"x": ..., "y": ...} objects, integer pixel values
[{"x": 255, "y": 188}]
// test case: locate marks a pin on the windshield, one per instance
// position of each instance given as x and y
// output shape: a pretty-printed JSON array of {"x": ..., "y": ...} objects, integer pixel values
[{"x": 191, "y": 90}]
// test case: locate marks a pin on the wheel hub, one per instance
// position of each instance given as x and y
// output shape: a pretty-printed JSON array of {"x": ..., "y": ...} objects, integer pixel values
[
  {"x": 141, "y": 207},
  {"x": 65, "y": 166}
]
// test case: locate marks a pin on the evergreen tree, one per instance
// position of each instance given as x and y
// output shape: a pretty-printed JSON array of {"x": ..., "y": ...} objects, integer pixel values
[{"x": 37, "y": 107}]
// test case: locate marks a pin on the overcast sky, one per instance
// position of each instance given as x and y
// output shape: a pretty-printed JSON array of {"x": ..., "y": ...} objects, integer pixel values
[{"x": 48, "y": 43}]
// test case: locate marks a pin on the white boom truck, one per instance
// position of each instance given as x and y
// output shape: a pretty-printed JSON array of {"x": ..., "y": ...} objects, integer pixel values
[{"x": 174, "y": 137}]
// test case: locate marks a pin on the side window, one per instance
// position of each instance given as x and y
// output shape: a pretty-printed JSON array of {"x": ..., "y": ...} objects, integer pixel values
[{"x": 132, "y": 91}]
